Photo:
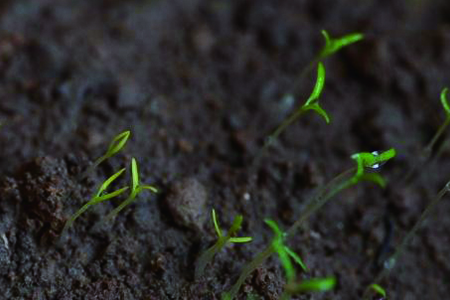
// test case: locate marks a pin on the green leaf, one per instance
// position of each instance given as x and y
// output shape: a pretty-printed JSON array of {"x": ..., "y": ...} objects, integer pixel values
[
  {"x": 216, "y": 224},
  {"x": 245, "y": 239},
  {"x": 315, "y": 285},
  {"x": 333, "y": 45},
  {"x": 296, "y": 258},
  {"x": 107, "y": 182},
  {"x": 318, "y": 88},
  {"x": 372, "y": 160},
  {"x": 444, "y": 100},
  {"x": 134, "y": 175},
  {"x": 377, "y": 288}
]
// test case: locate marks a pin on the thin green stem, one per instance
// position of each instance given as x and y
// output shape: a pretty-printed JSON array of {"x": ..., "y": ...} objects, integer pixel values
[
  {"x": 392, "y": 260},
  {"x": 208, "y": 255},
  {"x": 279, "y": 130}
]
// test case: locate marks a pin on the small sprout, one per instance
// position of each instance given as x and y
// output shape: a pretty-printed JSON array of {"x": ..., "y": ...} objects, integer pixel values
[
  {"x": 313, "y": 285},
  {"x": 378, "y": 289},
  {"x": 333, "y": 45},
  {"x": 312, "y": 103},
  {"x": 374, "y": 160},
  {"x": 136, "y": 189},
  {"x": 114, "y": 147},
  {"x": 284, "y": 253},
  {"x": 98, "y": 197},
  {"x": 222, "y": 240}
]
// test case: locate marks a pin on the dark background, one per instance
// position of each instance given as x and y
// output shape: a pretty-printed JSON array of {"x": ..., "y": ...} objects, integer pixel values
[{"x": 200, "y": 84}]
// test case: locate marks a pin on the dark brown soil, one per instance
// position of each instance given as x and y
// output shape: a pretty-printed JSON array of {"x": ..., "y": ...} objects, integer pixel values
[{"x": 199, "y": 84}]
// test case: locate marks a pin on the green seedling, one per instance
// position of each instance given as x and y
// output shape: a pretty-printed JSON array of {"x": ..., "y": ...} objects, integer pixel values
[
  {"x": 136, "y": 189},
  {"x": 116, "y": 145},
  {"x": 332, "y": 45},
  {"x": 222, "y": 241},
  {"x": 312, "y": 285},
  {"x": 285, "y": 254},
  {"x": 312, "y": 103},
  {"x": 365, "y": 161},
  {"x": 100, "y": 196},
  {"x": 390, "y": 263},
  {"x": 426, "y": 152}
]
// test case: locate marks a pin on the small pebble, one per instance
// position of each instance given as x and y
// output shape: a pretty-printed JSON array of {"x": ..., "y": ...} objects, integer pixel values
[{"x": 187, "y": 203}]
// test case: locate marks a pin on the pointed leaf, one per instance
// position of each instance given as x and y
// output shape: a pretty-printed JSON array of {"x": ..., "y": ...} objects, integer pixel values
[
  {"x": 444, "y": 100},
  {"x": 320, "y": 82},
  {"x": 216, "y": 224},
  {"x": 118, "y": 143},
  {"x": 245, "y": 239},
  {"x": 296, "y": 258}
]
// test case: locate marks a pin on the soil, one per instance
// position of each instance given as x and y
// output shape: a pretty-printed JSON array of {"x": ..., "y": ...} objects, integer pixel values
[{"x": 200, "y": 84}]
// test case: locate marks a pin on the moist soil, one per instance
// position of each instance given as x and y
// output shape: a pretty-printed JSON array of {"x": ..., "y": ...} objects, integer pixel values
[{"x": 201, "y": 84}]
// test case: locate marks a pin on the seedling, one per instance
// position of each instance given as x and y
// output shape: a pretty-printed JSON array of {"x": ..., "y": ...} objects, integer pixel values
[
  {"x": 426, "y": 152},
  {"x": 312, "y": 103},
  {"x": 390, "y": 263},
  {"x": 98, "y": 197},
  {"x": 332, "y": 45},
  {"x": 285, "y": 254},
  {"x": 116, "y": 145},
  {"x": 365, "y": 161},
  {"x": 312, "y": 285},
  {"x": 136, "y": 189},
  {"x": 222, "y": 241}
]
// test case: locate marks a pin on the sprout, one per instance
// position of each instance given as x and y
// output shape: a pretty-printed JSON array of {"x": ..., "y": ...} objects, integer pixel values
[
  {"x": 136, "y": 189},
  {"x": 114, "y": 147},
  {"x": 98, "y": 197},
  {"x": 284, "y": 253},
  {"x": 312, "y": 103},
  {"x": 333, "y": 45},
  {"x": 374, "y": 160},
  {"x": 222, "y": 240},
  {"x": 341, "y": 182}
]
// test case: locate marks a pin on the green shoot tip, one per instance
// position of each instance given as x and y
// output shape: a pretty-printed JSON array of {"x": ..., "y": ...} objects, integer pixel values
[
  {"x": 314, "y": 285},
  {"x": 333, "y": 45},
  {"x": 378, "y": 289},
  {"x": 444, "y": 101}
]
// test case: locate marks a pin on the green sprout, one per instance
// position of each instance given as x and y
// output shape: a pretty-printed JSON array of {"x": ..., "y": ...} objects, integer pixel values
[
  {"x": 390, "y": 263},
  {"x": 136, "y": 189},
  {"x": 365, "y": 161},
  {"x": 115, "y": 146},
  {"x": 426, "y": 152},
  {"x": 284, "y": 252},
  {"x": 100, "y": 196},
  {"x": 312, "y": 285},
  {"x": 378, "y": 289},
  {"x": 222, "y": 241},
  {"x": 333, "y": 45},
  {"x": 312, "y": 103}
]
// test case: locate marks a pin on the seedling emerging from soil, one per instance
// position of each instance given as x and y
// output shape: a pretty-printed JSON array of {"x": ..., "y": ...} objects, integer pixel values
[
  {"x": 311, "y": 104},
  {"x": 390, "y": 263},
  {"x": 365, "y": 161},
  {"x": 98, "y": 197},
  {"x": 426, "y": 153},
  {"x": 312, "y": 285},
  {"x": 116, "y": 145},
  {"x": 136, "y": 189},
  {"x": 222, "y": 241}
]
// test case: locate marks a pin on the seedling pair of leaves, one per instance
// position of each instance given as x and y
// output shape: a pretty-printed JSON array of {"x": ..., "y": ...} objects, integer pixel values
[
  {"x": 365, "y": 161},
  {"x": 222, "y": 241},
  {"x": 102, "y": 195}
]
